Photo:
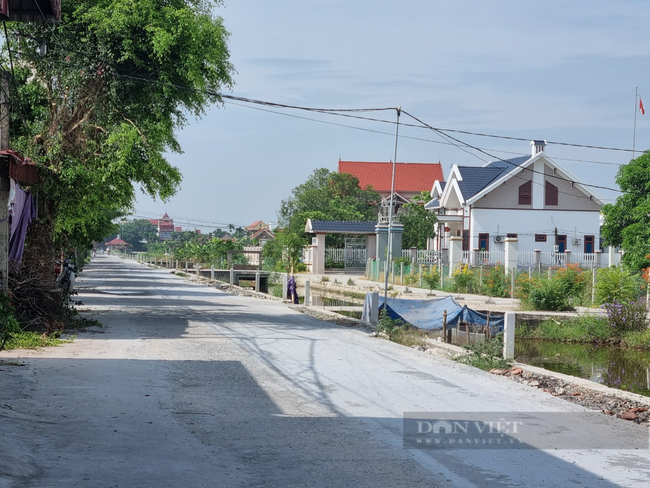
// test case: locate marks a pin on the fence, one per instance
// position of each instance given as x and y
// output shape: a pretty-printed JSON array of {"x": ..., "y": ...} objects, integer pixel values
[{"x": 405, "y": 274}]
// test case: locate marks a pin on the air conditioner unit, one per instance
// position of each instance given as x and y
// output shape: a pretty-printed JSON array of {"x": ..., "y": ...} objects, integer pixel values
[
  {"x": 576, "y": 241},
  {"x": 498, "y": 238}
]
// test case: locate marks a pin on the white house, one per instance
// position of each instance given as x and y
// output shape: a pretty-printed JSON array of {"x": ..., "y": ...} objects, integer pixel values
[{"x": 531, "y": 198}]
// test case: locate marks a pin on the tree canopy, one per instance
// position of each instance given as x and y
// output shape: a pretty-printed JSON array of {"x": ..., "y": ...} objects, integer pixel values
[
  {"x": 139, "y": 233},
  {"x": 627, "y": 221},
  {"x": 328, "y": 195},
  {"x": 99, "y": 110},
  {"x": 419, "y": 223}
]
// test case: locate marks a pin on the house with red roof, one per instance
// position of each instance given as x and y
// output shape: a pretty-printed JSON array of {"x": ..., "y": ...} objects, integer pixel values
[
  {"x": 165, "y": 227},
  {"x": 117, "y": 244},
  {"x": 257, "y": 226},
  {"x": 410, "y": 178}
]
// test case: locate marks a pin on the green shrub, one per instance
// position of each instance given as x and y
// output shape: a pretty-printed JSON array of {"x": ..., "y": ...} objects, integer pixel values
[
  {"x": 615, "y": 285},
  {"x": 431, "y": 278},
  {"x": 465, "y": 279},
  {"x": 387, "y": 325},
  {"x": 548, "y": 295},
  {"x": 495, "y": 282}
]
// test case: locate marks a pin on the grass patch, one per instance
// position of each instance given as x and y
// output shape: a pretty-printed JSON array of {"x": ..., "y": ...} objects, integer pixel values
[
  {"x": 584, "y": 328},
  {"x": 354, "y": 294},
  {"x": 354, "y": 315},
  {"x": 410, "y": 336},
  {"x": 33, "y": 340},
  {"x": 637, "y": 339},
  {"x": 275, "y": 290},
  {"x": 485, "y": 355}
]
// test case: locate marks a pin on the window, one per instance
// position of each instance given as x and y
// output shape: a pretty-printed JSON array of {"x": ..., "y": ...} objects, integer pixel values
[
  {"x": 484, "y": 242},
  {"x": 525, "y": 193},
  {"x": 551, "y": 193},
  {"x": 540, "y": 237},
  {"x": 589, "y": 244}
]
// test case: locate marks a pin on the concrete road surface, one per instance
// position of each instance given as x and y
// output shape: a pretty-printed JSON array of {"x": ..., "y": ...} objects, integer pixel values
[{"x": 186, "y": 386}]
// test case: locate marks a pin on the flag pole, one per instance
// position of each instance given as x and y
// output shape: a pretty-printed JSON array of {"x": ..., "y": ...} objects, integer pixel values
[{"x": 636, "y": 97}]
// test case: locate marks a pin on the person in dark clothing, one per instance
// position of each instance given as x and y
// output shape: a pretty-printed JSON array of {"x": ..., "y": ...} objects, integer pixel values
[{"x": 292, "y": 289}]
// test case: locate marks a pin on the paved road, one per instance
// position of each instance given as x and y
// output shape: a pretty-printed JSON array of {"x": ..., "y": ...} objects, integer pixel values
[{"x": 187, "y": 386}]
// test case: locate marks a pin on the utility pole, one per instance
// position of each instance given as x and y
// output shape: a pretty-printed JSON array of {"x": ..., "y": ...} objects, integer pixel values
[{"x": 4, "y": 181}]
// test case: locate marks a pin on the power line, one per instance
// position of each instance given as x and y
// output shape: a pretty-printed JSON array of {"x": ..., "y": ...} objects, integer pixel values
[{"x": 462, "y": 144}]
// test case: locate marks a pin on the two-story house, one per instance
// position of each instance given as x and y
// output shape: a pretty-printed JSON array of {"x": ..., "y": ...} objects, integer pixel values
[{"x": 530, "y": 198}]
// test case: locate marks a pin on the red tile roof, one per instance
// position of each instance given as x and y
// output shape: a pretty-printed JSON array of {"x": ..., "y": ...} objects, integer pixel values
[
  {"x": 117, "y": 242},
  {"x": 409, "y": 177}
]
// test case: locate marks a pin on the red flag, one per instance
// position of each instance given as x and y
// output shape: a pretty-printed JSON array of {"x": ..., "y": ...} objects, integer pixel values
[{"x": 641, "y": 106}]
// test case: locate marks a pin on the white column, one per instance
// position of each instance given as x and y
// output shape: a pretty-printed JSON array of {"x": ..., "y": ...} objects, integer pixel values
[
  {"x": 511, "y": 245},
  {"x": 455, "y": 253},
  {"x": 318, "y": 256},
  {"x": 307, "y": 293}
]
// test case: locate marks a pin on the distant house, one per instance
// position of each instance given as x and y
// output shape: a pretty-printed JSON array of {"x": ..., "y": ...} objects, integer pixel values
[
  {"x": 257, "y": 226},
  {"x": 165, "y": 227},
  {"x": 530, "y": 198},
  {"x": 263, "y": 236},
  {"x": 117, "y": 244},
  {"x": 410, "y": 178}
]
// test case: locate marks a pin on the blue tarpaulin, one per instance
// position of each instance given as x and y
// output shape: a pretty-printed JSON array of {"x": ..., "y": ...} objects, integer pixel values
[{"x": 428, "y": 314}]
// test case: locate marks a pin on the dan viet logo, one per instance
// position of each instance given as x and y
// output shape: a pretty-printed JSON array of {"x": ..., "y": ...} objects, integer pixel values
[
  {"x": 520, "y": 430},
  {"x": 444, "y": 432}
]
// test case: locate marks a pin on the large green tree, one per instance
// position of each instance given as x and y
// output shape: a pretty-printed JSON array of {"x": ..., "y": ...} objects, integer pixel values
[
  {"x": 139, "y": 233},
  {"x": 627, "y": 221},
  {"x": 99, "y": 110},
  {"x": 328, "y": 195}
]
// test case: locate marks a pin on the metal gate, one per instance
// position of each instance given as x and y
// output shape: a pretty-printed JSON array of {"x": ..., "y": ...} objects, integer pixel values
[{"x": 355, "y": 254}]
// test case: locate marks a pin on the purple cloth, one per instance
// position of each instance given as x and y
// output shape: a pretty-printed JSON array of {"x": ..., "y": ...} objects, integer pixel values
[
  {"x": 24, "y": 211},
  {"x": 292, "y": 289}
]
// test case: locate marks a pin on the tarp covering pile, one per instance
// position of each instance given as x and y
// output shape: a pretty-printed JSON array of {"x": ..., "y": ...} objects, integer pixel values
[{"x": 428, "y": 314}]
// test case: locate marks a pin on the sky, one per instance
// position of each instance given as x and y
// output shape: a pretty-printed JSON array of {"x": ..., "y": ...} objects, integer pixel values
[{"x": 565, "y": 72}]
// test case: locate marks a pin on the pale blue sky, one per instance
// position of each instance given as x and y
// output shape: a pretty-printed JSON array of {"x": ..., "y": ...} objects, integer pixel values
[{"x": 555, "y": 70}]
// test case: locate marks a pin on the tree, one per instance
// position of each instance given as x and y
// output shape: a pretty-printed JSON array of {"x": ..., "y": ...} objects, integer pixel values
[
  {"x": 333, "y": 196},
  {"x": 100, "y": 109},
  {"x": 627, "y": 221},
  {"x": 419, "y": 223},
  {"x": 327, "y": 195},
  {"x": 138, "y": 233}
]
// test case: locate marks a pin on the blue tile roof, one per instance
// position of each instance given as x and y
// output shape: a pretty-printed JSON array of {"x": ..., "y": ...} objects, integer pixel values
[
  {"x": 342, "y": 227},
  {"x": 476, "y": 179}
]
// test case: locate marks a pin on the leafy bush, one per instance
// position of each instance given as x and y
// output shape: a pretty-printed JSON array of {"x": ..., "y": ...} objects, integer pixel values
[
  {"x": 615, "y": 284},
  {"x": 465, "y": 279},
  {"x": 627, "y": 316},
  {"x": 548, "y": 295},
  {"x": 431, "y": 278},
  {"x": 572, "y": 279},
  {"x": 495, "y": 282},
  {"x": 387, "y": 325}
]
